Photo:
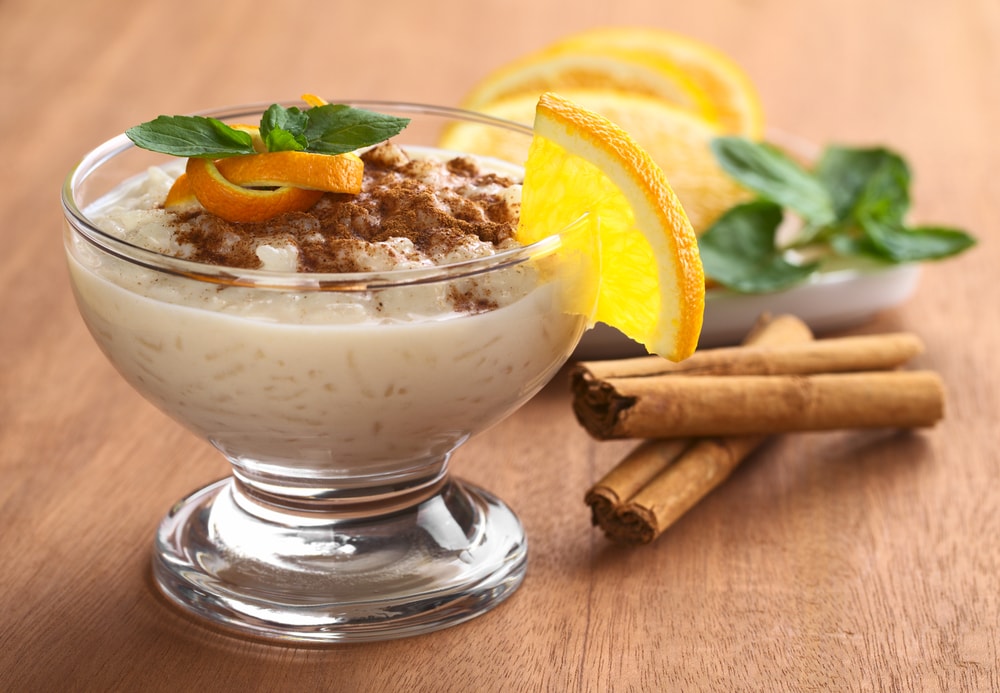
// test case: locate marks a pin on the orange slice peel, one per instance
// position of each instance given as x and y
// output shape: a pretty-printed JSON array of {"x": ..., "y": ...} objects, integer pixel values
[
  {"x": 257, "y": 187},
  {"x": 235, "y": 203},
  {"x": 339, "y": 173}
]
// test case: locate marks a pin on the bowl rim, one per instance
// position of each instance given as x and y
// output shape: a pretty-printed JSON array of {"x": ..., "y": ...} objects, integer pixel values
[{"x": 82, "y": 227}]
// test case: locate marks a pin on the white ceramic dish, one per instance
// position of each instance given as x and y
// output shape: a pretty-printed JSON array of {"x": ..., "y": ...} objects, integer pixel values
[{"x": 829, "y": 301}]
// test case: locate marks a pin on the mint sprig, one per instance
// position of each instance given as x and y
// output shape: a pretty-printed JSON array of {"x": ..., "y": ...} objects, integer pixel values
[
  {"x": 191, "y": 136},
  {"x": 738, "y": 251},
  {"x": 326, "y": 129},
  {"x": 852, "y": 203},
  {"x": 775, "y": 176},
  {"x": 335, "y": 128}
]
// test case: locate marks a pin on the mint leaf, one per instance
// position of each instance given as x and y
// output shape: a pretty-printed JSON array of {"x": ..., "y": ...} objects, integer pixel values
[
  {"x": 739, "y": 251},
  {"x": 885, "y": 195},
  {"x": 336, "y": 128},
  {"x": 190, "y": 136},
  {"x": 872, "y": 189},
  {"x": 849, "y": 173},
  {"x": 854, "y": 203},
  {"x": 327, "y": 129},
  {"x": 283, "y": 129},
  {"x": 900, "y": 244},
  {"x": 774, "y": 176},
  {"x": 856, "y": 244}
]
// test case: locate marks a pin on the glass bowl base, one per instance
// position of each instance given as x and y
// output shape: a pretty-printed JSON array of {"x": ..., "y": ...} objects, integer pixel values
[{"x": 451, "y": 557}]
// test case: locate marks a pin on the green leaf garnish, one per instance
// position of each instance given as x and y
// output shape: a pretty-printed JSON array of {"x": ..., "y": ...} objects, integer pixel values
[
  {"x": 739, "y": 251},
  {"x": 851, "y": 175},
  {"x": 774, "y": 176},
  {"x": 335, "y": 128},
  {"x": 189, "y": 136},
  {"x": 901, "y": 244},
  {"x": 327, "y": 129},
  {"x": 283, "y": 129},
  {"x": 853, "y": 203}
]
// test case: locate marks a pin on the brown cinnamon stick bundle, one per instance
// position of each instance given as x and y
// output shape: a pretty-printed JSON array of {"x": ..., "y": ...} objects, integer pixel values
[
  {"x": 678, "y": 487},
  {"x": 663, "y": 478},
  {"x": 627, "y": 513}
]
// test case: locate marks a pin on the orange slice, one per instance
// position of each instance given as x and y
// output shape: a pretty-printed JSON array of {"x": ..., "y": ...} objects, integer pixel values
[
  {"x": 314, "y": 100},
  {"x": 618, "y": 69},
  {"x": 732, "y": 94},
  {"x": 651, "y": 285},
  {"x": 254, "y": 132}
]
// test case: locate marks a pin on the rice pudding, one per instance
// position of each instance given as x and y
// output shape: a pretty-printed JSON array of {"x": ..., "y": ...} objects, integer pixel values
[{"x": 332, "y": 346}]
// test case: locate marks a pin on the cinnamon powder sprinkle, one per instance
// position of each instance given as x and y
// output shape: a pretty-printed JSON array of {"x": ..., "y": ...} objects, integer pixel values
[{"x": 438, "y": 205}]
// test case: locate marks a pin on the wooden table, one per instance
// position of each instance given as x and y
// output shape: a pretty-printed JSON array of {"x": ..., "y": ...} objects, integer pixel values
[{"x": 839, "y": 561}]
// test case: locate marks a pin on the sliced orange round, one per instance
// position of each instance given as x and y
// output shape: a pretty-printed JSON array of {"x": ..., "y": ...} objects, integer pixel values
[
  {"x": 651, "y": 283},
  {"x": 617, "y": 69},
  {"x": 733, "y": 95}
]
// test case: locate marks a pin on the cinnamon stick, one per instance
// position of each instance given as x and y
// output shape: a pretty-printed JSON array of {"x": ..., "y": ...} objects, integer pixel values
[
  {"x": 678, "y": 487},
  {"x": 837, "y": 355},
  {"x": 618, "y": 486},
  {"x": 609, "y": 495},
  {"x": 685, "y": 406},
  {"x": 663, "y": 478}
]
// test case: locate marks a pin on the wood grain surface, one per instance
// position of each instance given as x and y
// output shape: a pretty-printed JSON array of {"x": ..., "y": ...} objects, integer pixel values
[{"x": 836, "y": 561}]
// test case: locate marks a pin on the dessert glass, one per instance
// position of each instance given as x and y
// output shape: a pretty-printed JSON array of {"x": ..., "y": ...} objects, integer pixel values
[{"x": 340, "y": 521}]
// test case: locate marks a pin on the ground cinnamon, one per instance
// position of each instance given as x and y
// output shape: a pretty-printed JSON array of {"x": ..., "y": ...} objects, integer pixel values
[{"x": 437, "y": 205}]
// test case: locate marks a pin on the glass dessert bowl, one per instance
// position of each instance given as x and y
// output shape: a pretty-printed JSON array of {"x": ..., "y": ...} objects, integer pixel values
[{"x": 338, "y": 399}]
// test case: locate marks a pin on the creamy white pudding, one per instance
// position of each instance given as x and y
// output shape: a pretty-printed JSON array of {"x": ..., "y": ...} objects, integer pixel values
[{"x": 332, "y": 377}]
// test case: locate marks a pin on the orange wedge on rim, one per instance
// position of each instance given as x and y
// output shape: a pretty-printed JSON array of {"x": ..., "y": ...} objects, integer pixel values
[{"x": 651, "y": 284}]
